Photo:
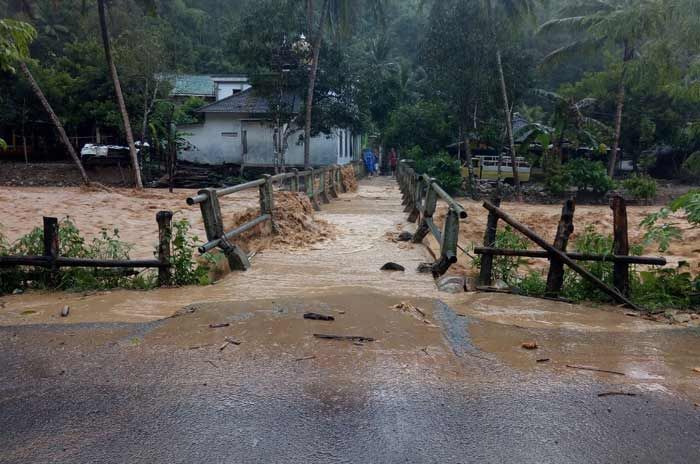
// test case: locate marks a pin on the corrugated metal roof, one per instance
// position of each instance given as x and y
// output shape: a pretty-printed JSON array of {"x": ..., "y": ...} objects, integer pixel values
[
  {"x": 193, "y": 85},
  {"x": 248, "y": 102}
]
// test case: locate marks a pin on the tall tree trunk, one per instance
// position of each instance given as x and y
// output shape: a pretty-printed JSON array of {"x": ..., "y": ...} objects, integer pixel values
[
  {"x": 318, "y": 40},
  {"x": 627, "y": 56},
  {"x": 509, "y": 123},
  {"x": 54, "y": 119},
  {"x": 118, "y": 91}
]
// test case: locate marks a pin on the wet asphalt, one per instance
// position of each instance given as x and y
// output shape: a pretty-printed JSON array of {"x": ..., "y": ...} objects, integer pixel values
[{"x": 166, "y": 392}]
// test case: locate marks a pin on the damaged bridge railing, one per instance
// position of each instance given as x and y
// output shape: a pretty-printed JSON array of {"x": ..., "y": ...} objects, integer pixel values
[
  {"x": 420, "y": 195},
  {"x": 320, "y": 185}
]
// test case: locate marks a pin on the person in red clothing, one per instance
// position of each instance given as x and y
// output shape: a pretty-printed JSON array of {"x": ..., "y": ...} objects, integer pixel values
[{"x": 393, "y": 160}]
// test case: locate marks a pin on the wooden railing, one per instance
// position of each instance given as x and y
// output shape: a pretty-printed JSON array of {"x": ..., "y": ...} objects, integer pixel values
[
  {"x": 420, "y": 195},
  {"x": 320, "y": 185},
  {"x": 53, "y": 261}
]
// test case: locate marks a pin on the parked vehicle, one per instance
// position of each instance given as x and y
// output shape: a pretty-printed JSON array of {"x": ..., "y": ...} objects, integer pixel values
[{"x": 486, "y": 168}]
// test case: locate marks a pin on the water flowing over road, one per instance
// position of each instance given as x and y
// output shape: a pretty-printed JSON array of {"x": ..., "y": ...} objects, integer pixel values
[{"x": 233, "y": 372}]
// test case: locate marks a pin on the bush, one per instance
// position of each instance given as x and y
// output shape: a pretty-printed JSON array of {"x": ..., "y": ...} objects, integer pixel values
[
  {"x": 108, "y": 245},
  {"x": 665, "y": 288},
  {"x": 533, "y": 284},
  {"x": 640, "y": 187},
  {"x": 691, "y": 167},
  {"x": 506, "y": 268},
  {"x": 589, "y": 175},
  {"x": 446, "y": 171}
]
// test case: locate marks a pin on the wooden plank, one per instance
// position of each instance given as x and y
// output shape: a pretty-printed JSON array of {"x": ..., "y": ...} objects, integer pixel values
[
  {"x": 486, "y": 271},
  {"x": 617, "y": 296},
  {"x": 555, "y": 276},
  {"x": 646, "y": 260},
  {"x": 621, "y": 245}
]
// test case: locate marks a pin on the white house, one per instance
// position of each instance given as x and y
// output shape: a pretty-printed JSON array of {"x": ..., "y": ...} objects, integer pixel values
[{"x": 238, "y": 129}]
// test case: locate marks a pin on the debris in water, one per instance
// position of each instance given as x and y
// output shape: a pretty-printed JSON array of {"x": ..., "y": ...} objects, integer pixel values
[
  {"x": 632, "y": 314},
  {"x": 28, "y": 312},
  {"x": 529, "y": 345},
  {"x": 543, "y": 360},
  {"x": 305, "y": 358},
  {"x": 318, "y": 317},
  {"x": 65, "y": 311},
  {"x": 352, "y": 338},
  {"x": 696, "y": 369},
  {"x": 594, "y": 369},
  {"x": 415, "y": 311},
  {"x": 425, "y": 268},
  {"x": 232, "y": 341},
  {"x": 17, "y": 291},
  {"x": 452, "y": 284},
  {"x": 219, "y": 326},
  {"x": 212, "y": 363},
  {"x": 405, "y": 237},
  {"x": 393, "y": 267},
  {"x": 600, "y": 395}
]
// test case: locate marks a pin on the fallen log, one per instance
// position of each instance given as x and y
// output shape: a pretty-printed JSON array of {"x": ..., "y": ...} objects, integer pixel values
[{"x": 559, "y": 254}]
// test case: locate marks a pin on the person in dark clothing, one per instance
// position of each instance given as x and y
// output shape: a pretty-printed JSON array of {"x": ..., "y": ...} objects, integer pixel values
[{"x": 393, "y": 161}]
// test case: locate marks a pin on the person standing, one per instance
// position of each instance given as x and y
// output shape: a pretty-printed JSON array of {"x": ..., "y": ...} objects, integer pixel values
[
  {"x": 393, "y": 161},
  {"x": 368, "y": 158}
]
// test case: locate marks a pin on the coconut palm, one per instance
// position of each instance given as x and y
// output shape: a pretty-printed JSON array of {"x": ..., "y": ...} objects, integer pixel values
[
  {"x": 625, "y": 24},
  {"x": 15, "y": 37}
]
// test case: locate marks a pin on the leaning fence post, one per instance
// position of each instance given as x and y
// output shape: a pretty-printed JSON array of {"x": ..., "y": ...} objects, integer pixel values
[
  {"x": 51, "y": 247},
  {"x": 331, "y": 181},
  {"x": 486, "y": 271},
  {"x": 428, "y": 212},
  {"x": 165, "y": 233},
  {"x": 555, "y": 276},
  {"x": 214, "y": 228},
  {"x": 621, "y": 246},
  {"x": 416, "y": 200},
  {"x": 267, "y": 199},
  {"x": 448, "y": 248}
]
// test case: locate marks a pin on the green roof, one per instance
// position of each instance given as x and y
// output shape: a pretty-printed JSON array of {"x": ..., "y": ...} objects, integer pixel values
[{"x": 192, "y": 85}]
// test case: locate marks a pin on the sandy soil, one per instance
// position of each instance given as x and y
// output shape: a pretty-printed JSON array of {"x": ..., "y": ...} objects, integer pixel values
[{"x": 544, "y": 219}]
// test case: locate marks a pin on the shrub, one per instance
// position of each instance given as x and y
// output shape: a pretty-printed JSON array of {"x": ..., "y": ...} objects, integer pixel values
[
  {"x": 640, "y": 187},
  {"x": 589, "y": 175},
  {"x": 533, "y": 284},
  {"x": 665, "y": 288},
  {"x": 691, "y": 167},
  {"x": 446, "y": 170}
]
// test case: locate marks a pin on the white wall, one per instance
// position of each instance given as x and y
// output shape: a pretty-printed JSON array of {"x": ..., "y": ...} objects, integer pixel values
[
  {"x": 217, "y": 141},
  {"x": 226, "y": 89},
  {"x": 220, "y": 140}
]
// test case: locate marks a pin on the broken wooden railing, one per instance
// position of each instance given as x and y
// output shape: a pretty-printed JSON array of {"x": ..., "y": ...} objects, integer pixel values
[
  {"x": 52, "y": 260},
  {"x": 420, "y": 196},
  {"x": 558, "y": 256},
  {"x": 320, "y": 185}
]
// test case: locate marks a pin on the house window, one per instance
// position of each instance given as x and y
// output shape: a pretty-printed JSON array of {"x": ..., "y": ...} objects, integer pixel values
[
  {"x": 229, "y": 134},
  {"x": 244, "y": 141},
  {"x": 340, "y": 142}
]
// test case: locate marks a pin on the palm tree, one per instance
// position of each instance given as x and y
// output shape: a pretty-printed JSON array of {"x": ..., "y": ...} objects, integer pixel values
[
  {"x": 118, "y": 91},
  {"x": 336, "y": 13},
  {"x": 626, "y": 24},
  {"x": 15, "y": 37}
]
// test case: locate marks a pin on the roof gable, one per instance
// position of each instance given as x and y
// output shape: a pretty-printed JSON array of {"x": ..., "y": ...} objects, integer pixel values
[{"x": 249, "y": 102}]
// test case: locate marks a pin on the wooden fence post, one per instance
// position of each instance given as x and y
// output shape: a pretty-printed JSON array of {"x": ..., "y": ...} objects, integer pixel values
[
  {"x": 448, "y": 249},
  {"x": 324, "y": 186},
  {"x": 621, "y": 246},
  {"x": 267, "y": 202},
  {"x": 51, "y": 247},
  {"x": 311, "y": 185},
  {"x": 332, "y": 184},
  {"x": 416, "y": 200},
  {"x": 214, "y": 228},
  {"x": 428, "y": 211},
  {"x": 486, "y": 271},
  {"x": 555, "y": 276},
  {"x": 165, "y": 234}
]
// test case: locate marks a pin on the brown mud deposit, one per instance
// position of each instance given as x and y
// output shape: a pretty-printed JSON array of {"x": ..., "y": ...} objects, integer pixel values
[
  {"x": 295, "y": 224},
  {"x": 543, "y": 219},
  {"x": 347, "y": 177}
]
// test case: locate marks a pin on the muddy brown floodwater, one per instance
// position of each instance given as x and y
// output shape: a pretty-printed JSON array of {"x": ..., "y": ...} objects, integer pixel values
[{"x": 344, "y": 271}]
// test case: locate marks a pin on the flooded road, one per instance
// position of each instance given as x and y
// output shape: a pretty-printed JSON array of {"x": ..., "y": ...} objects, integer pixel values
[{"x": 238, "y": 375}]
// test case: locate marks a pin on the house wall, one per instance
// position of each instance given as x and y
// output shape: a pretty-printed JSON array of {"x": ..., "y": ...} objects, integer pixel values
[
  {"x": 226, "y": 89},
  {"x": 217, "y": 141},
  {"x": 220, "y": 140}
]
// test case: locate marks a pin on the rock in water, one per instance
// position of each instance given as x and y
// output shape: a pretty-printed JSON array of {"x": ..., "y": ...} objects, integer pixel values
[
  {"x": 451, "y": 284},
  {"x": 405, "y": 237},
  {"x": 318, "y": 317},
  {"x": 393, "y": 267},
  {"x": 65, "y": 311},
  {"x": 425, "y": 268}
]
